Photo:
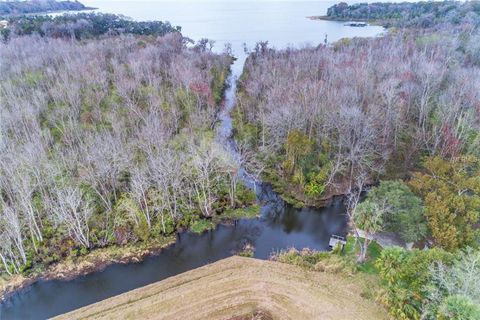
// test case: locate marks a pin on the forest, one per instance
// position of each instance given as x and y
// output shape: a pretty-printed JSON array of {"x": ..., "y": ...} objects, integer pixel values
[
  {"x": 424, "y": 14},
  {"x": 24, "y": 7},
  {"x": 83, "y": 26},
  {"x": 396, "y": 118},
  {"x": 108, "y": 142},
  {"x": 320, "y": 117},
  {"x": 108, "y": 139}
]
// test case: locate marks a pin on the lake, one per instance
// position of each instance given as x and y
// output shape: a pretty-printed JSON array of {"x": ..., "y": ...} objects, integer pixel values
[{"x": 281, "y": 23}]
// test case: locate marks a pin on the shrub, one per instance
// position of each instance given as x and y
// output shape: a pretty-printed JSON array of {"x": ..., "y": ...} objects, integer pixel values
[
  {"x": 458, "y": 308},
  {"x": 201, "y": 226}
]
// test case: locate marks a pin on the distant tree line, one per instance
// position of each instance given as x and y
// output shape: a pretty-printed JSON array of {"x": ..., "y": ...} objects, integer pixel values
[
  {"x": 24, "y": 7},
  {"x": 84, "y": 26},
  {"x": 412, "y": 14}
]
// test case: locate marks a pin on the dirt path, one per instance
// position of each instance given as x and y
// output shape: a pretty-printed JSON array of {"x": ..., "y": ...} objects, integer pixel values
[
  {"x": 385, "y": 239},
  {"x": 236, "y": 287}
]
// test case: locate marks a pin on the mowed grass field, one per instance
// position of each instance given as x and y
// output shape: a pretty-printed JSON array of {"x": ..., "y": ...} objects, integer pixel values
[{"x": 241, "y": 288}]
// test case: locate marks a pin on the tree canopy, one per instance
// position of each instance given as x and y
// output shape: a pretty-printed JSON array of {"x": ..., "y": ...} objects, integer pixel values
[
  {"x": 85, "y": 25},
  {"x": 11, "y": 7},
  {"x": 451, "y": 189},
  {"x": 423, "y": 14},
  {"x": 404, "y": 212}
]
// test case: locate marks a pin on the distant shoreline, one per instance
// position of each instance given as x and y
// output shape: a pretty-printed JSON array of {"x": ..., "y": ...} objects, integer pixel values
[
  {"x": 48, "y": 12},
  {"x": 34, "y": 7},
  {"x": 328, "y": 18},
  {"x": 325, "y": 18}
]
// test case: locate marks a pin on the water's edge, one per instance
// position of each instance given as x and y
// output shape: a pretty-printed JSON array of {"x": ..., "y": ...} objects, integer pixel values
[
  {"x": 224, "y": 135},
  {"x": 273, "y": 214},
  {"x": 279, "y": 227}
]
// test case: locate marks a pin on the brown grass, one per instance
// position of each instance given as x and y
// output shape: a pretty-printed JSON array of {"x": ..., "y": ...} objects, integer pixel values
[{"x": 241, "y": 288}]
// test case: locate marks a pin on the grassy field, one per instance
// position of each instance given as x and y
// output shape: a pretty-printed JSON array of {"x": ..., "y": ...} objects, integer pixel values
[{"x": 242, "y": 288}]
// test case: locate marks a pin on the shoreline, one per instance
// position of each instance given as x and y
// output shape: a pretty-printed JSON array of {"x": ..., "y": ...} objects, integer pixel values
[
  {"x": 328, "y": 18},
  {"x": 42, "y": 13},
  {"x": 298, "y": 200},
  {"x": 99, "y": 259},
  {"x": 325, "y": 18},
  {"x": 189, "y": 295},
  {"x": 95, "y": 261}
]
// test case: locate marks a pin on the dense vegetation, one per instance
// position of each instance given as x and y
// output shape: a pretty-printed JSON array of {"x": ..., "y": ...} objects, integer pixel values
[
  {"x": 430, "y": 284},
  {"x": 321, "y": 118},
  {"x": 108, "y": 142},
  {"x": 24, "y": 7},
  {"x": 83, "y": 26},
  {"x": 416, "y": 284},
  {"x": 410, "y": 14},
  {"x": 397, "y": 116}
]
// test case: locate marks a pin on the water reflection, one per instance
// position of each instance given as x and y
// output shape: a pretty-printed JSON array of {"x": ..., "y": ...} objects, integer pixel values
[{"x": 277, "y": 229}]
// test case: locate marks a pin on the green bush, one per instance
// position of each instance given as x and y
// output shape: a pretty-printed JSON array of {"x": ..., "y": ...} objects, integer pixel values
[
  {"x": 405, "y": 276},
  {"x": 240, "y": 213},
  {"x": 458, "y": 308},
  {"x": 245, "y": 196},
  {"x": 141, "y": 230},
  {"x": 74, "y": 253},
  {"x": 314, "y": 260},
  {"x": 201, "y": 226},
  {"x": 165, "y": 228}
]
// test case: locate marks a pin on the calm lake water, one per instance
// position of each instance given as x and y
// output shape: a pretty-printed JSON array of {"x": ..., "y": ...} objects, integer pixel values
[
  {"x": 280, "y": 227},
  {"x": 281, "y": 23}
]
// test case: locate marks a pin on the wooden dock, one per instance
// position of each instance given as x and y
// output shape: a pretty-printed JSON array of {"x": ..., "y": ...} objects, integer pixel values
[
  {"x": 355, "y": 24},
  {"x": 337, "y": 240}
]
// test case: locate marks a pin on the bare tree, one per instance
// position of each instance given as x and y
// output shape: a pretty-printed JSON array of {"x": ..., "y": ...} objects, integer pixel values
[
  {"x": 72, "y": 210},
  {"x": 110, "y": 117},
  {"x": 12, "y": 229},
  {"x": 206, "y": 165},
  {"x": 139, "y": 185},
  {"x": 168, "y": 176}
]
